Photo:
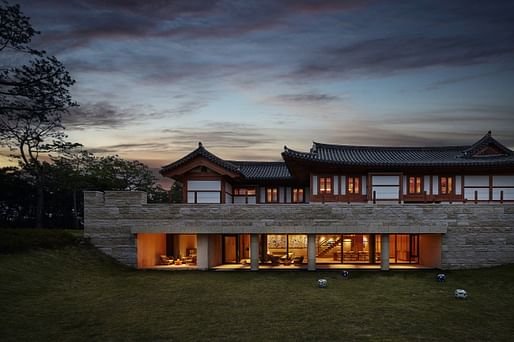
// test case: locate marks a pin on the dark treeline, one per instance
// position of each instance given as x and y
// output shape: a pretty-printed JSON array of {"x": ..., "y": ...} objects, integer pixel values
[
  {"x": 64, "y": 179},
  {"x": 45, "y": 190}
]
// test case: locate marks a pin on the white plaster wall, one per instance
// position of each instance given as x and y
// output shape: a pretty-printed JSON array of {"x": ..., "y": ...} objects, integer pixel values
[
  {"x": 483, "y": 194},
  {"x": 435, "y": 185},
  {"x": 207, "y": 197},
  {"x": 190, "y": 197},
  {"x": 314, "y": 185},
  {"x": 197, "y": 185},
  {"x": 263, "y": 195},
  {"x": 476, "y": 181},
  {"x": 364, "y": 182},
  {"x": 387, "y": 192},
  {"x": 458, "y": 185},
  {"x": 343, "y": 185},
  {"x": 336, "y": 185},
  {"x": 385, "y": 180},
  {"x": 503, "y": 180},
  {"x": 288, "y": 194},
  {"x": 281, "y": 195},
  {"x": 426, "y": 184},
  {"x": 508, "y": 194}
]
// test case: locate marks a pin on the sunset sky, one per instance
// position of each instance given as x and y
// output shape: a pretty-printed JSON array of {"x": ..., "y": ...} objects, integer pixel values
[{"x": 248, "y": 77}]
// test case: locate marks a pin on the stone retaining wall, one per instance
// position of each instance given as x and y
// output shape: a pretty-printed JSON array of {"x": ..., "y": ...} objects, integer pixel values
[{"x": 474, "y": 235}]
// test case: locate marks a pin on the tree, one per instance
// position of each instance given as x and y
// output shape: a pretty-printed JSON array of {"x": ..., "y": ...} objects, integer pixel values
[
  {"x": 16, "y": 198},
  {"x": 176, "y": 193},
  {"x": 115, "y": 173},
  {"x": 33, "y": 98}
]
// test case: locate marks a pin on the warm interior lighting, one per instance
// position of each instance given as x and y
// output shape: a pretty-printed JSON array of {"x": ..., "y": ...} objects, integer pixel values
[
  {"x": 271, "y": 195},
  {"x": 414, "y": 185},
  {"x": 353, "y": 185},
  {"x": 446, "y": 185},
  {"x": 297, "y": 195},
  {"x": 325, "y": 185}
]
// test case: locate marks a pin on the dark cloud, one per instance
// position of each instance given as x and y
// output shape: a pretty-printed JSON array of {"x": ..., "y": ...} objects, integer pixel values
[
  {"x": 130, "y": 147},
  {"x": 453, "y": 80},
  {"x": 391, "y": 54},
  {"x": 500, "y": 116},
  {"x": 100, "y": 115},
  {"x": 307, "y": 98},
  {"x": 220, "y": 135},
  {"x": 103, "y": 115},
  {"x": 80, "y": 22}
]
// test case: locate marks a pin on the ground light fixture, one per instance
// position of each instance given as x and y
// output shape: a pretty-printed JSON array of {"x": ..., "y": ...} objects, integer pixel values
[
  {"x": 322, "y": 283},
  {"x": 461, "y": 294},
  {"x": 441, "y": 277},
  {"x": 345, "y": 274}
]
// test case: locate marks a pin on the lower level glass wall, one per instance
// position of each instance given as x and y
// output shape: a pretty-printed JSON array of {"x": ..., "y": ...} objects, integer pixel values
[
  {"x": 174, "y": 250},
  {"x": 403, "y": 248},
  {"x": 284, "y": 249},
  {"x": 365, "y": 249},
  {"x": 346, "y": 248},
  {"x": 182, "y": 248},
  {"x": 236, "y": 249}
]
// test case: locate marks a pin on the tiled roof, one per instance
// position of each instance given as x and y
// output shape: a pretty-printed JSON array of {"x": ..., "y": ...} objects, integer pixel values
[
  {"x": 201, "y": 151},
  {"x": 262, "y": 170},
  {"x": 487, "y": 140},
  {"x": 251, "y": 170},
  {"x": 404, "y": 156}
]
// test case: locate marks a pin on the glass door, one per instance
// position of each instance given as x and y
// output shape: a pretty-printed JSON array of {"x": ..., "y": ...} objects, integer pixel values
[{"x": 230, "y": 249}]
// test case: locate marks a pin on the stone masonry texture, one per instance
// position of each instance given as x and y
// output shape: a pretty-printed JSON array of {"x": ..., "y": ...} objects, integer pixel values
[{"x": 473, "y": 235}]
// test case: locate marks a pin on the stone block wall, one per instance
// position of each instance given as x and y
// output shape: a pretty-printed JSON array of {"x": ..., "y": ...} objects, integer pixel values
[
  {"x": 474, "y": 235},
  {"x": 479, "y": 235}
]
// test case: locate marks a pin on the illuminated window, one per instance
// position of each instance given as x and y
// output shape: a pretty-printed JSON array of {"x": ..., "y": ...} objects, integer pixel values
[
  {"x": 271, "y": 195},
  {"x": 325, "y": 185},
  {"x": 239, "y": 191},
  {"x": 298, "y": 195},
  {"x": 353, "y": 185},
  {"x": 415, "y": 185},
  {"x": 446, "y": 185},
  {"x": 244, "y": 192}
]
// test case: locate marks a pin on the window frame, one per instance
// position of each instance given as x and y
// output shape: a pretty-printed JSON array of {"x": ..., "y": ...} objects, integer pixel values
[
  {"x": 246, "y": 195},
  {"x": 324, "y": 191},
  {"x": 452, "y": 192},
  {"x": 293, "y": 194},
  {"x": 421, "y": 185},
  {"x": 359, "y": 188},
  {"x": 277, "y": 195}
]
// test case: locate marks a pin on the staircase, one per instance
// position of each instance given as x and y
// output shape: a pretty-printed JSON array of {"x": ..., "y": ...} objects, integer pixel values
[{"x": 326, "y": 246}]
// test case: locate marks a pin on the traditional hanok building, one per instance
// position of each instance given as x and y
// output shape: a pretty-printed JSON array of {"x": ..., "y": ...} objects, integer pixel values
[{"x": 336, "y": 206}]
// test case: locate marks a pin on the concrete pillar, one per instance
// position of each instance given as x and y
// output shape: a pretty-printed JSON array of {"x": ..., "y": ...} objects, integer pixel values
[
  {"x": 311, "y": 252},
  {"x": 384, "y": 252},
  {"x": 254, "y": 252},
  {"x": 202, "y": 251}
]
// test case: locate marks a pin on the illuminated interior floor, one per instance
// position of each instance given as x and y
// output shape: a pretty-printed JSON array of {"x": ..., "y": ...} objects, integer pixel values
[
  {"x": 183, "y": 267},
  {"x": 331, "y": 266},
  {"x": 233, "y": 267}
]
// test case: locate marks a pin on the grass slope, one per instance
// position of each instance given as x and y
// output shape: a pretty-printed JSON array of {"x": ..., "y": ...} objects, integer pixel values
[{"x": 77, "y": 294}]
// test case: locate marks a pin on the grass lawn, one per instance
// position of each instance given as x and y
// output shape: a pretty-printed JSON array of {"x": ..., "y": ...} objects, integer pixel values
[{"x": 76, "y": 293}]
